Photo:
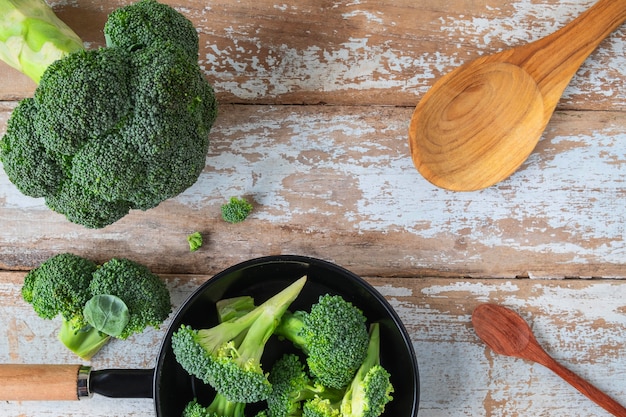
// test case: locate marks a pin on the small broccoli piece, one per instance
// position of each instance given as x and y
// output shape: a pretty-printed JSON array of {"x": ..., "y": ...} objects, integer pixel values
[
  {"x": 60, "y": 287},
  {"x": 232, "y": 308},
  {"x": 371, "y": 389},
  {"x": 321, "y": 407},
  {"x": 32, "y": 36},
  {"x": 143, "y": 292},
  {"x": 195, "y": 241},
  {"x": 236, "y": 210},
  {"x": 228, "y": 355},
  {"x": 219, "y": 407},
  {"x": 65, "y": 284},
  {"x": 291, "y": 386},
  {"x": 334, "y": 337}
]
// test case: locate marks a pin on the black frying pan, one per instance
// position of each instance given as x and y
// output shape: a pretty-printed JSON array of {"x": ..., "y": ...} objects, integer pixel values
[{"x": 172, "y": 388}]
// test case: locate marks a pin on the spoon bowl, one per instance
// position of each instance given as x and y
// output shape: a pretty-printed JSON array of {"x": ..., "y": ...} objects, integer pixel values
[
  {"x": 508, "y": 334},
  {"x": 480, "y": 122}
]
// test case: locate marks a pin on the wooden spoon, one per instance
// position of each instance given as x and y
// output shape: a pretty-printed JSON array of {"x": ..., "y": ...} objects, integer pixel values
[
  {"x": 508, "y": 334},
  {"x": 480, "y": 122}
]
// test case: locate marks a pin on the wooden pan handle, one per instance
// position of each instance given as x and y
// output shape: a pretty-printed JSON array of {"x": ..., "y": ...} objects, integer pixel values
[{"x": 43, "y": 382}]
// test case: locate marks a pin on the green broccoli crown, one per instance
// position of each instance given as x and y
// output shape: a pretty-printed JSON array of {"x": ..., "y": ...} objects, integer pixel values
[
  {"x": 144, "y": 293},
  {"x": 84, "y": 207},
  {"x": 117, "y": 128},
  {"x": 228, "y": 355},
  {"x": 219, "y": 407},
  {"x": 81, "y": 97},
  {"x": 190, "y": 354},
  {"x": 321, "y": 407},
  {"x": 67, "y": 284},
  {"x": 334, "y": 337},
  {"x": 291, "y": 386},
  {"x": 149, "y": 22},
  {"x": 60, "y": 286},
  {"x": 371, "y": 389},
  {"x": 236, "y": 210},
  {"x": 33, "y": 170},
  {"x": 195, "y": 409}
]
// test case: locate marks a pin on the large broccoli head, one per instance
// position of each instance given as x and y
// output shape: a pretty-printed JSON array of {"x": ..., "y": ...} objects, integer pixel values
[{"x": 117, "y": 128}]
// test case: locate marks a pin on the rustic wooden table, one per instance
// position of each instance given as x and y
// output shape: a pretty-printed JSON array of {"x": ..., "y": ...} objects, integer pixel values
[{"x": 316, "y": 97}]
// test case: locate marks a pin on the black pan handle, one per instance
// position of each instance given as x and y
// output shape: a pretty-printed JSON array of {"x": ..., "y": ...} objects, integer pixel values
[{"x": 122, "y": 383}]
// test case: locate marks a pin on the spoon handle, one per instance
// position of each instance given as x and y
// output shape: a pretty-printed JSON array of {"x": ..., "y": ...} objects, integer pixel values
[
  {"x": 586, "y": 388},
  {"x": 553, "y": 60}
]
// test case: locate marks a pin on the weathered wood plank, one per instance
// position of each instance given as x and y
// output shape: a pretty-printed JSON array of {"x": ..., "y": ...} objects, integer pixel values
[
  {"x": 581, "y": 323},
  {"x": 357, "y": 52},
  {"x": 338, "y": 182}
]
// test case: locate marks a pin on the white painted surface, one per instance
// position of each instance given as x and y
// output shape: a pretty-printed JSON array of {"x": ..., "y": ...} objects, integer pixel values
[{"x": 580, "y": 325}]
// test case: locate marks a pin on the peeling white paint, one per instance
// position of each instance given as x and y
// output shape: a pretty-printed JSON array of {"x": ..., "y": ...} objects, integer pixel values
[
  {"x": 394, "y": 196},
  {"x": 480, "y": 291}
]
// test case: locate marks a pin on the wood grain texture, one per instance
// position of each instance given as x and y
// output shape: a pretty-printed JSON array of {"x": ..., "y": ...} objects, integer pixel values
[
  {"x": 357, "y": 52},
  {"x": 338, "y": 183},
  {"x": 480, "y": 122},
  {"x": 580, "y": 322},
  {"x": 36, "y": 382},
  {"x": 507, "y": 333}
]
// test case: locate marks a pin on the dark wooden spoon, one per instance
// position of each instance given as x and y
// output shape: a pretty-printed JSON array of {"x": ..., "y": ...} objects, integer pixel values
[{"x": 508, "y": 334}]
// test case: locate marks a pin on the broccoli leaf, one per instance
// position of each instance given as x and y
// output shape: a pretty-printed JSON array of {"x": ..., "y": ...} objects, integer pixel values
[{"x": 107, "y": 313}]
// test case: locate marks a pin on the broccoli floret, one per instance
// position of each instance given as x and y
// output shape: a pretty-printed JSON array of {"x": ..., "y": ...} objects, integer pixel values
[
  {"x": 32, "y": 36},
  {"x": 195, "y": 241},
  {"x": 291, "y": 386},
  {"x": 333, "y": 335},
  {"x": 236, "y": 210},
  {"x": 60, "y": 287},
  {"x": 118, "y": 128},
  {"x": 33, "y": 170},
  {"x": 82, "y": 206},
  {"x": 143, "y": 292},
  {"x": 81, "y": 97},
  {"x": 228, "y": 355},
  {"x": 133, "y": 27},
  {"x": 367, "y": 394},
  {"x": 321, "y": 407},
  {"x": 64, "y": 284},
  {"x": 371, "y": 389},
  {"x": 219, "y": 407}
]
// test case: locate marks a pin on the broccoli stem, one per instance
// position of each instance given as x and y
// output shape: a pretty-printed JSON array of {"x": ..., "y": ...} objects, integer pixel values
[
  {"x": 32, "y": 37},
  {"x": 373, "y": 350},
  {"x": 222, "y": 406},
  {"x": 260, "y": 323},
  {"x": 290, "y": 328},
  {"x": 232, "y": 308},
  {"x": 84, "y": 342}
]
